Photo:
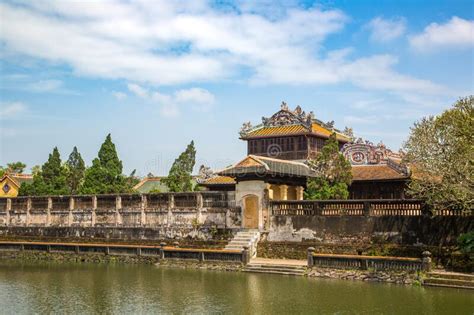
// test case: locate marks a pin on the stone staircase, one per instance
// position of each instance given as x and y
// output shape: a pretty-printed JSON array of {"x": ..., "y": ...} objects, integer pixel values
[
  {"x": 248, "y": 238},
  {"x": 449, "y": 280},
  {"x": 276, "y": 266}
]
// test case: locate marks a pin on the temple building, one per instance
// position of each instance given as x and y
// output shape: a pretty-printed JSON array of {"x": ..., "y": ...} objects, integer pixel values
[
  {"x": 10, "y": 184},
  {"x": 279, "y": 147}
]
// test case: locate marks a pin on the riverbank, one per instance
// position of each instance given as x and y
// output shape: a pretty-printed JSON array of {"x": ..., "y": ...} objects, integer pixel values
[{"x": 395, "y": 277}]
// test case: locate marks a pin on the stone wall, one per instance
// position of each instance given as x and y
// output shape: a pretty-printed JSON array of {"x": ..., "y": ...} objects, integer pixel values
[
  {"x": 359, "y": 230},
  {"x": 154, "y": 216}
]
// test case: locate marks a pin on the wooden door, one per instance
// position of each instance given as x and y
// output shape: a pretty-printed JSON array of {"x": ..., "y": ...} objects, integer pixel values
[{"x": 251, "y": 212}]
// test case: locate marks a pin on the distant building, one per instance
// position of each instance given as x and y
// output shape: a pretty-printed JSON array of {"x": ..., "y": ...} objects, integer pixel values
[
  {"x": 10, "y": 184},
  {"x": 155, "y": 184}
]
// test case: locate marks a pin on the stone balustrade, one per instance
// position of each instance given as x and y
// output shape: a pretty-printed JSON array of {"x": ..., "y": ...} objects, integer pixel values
[{"x": 125, "y": 210}]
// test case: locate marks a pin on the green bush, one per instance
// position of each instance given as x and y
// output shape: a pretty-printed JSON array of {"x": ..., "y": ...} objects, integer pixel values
[{"x": 466, "y": 243}]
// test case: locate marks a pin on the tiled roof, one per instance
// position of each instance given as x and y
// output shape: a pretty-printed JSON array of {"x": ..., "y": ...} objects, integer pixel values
[
  {"x": 375, "y": 172},
  {"x": 278, "y": 131},
  {"x": 264, "y": 165},
  {"x": 219, "y": 180},
  {"x": 151, "y": 183},
  {"x": 18, "y": 179},
  {"x": 316, "y": 129}
]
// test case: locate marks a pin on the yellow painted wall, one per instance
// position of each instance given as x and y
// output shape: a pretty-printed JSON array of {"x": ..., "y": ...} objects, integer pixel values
[{"x": 13, "y": 192}]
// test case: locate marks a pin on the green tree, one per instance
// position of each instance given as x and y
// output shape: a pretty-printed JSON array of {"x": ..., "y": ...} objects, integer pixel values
[
  {"x": 75, "y": 171},
  {"x": 16, "y": 167},
  {"x": 332, "y": 173},
  {"x": 51, "y": 180},
  {"x": 105, "y": 175},
  {"x": 179, "y": 178},
  {"x": 440, "y": 152}
]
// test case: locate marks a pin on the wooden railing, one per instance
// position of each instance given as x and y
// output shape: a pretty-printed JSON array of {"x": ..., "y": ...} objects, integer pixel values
[
  {"x": 368, "y": 262},
  {"x": 368, "y": 207},
  {"x": 159, "y": 252}
]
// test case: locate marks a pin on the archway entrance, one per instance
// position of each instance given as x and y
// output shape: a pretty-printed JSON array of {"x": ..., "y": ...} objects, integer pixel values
[{"x": 251, "y": 212}]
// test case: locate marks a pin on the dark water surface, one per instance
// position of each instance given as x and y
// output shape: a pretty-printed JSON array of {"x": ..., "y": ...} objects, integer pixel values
[{"x": 131, "y": 289}]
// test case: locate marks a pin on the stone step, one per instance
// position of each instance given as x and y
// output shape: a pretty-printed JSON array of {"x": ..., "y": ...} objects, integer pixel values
[
  {"x": 288, "y": 273},
  {"x": 276, "y": 266},
  {"x": 447, "y": 286},
  {"x": 449, "y": 275},
  {"x": 299, "y": 271},
  {"x": 451, "y": 282},
  {"x": 242, "y": 239},
  {"x": 239, "y": 242},
  {"x": 286, "y": 267}
]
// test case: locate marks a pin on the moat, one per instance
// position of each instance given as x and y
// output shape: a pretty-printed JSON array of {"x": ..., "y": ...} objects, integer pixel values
[{"x": 27, "y": 288}]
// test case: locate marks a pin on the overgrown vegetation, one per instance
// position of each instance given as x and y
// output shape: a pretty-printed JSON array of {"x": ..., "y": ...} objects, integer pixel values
[
  {"x": 332, "y": 173},
  {"x": 440, "y": 152}
]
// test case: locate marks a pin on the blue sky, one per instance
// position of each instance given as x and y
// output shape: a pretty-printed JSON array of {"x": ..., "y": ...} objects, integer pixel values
[{"x": 160, "y": 74}]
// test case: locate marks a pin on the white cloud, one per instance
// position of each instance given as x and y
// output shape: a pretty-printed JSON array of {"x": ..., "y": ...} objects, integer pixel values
[
  {"x": 456, "y": 33},
  {"x": 198, "y": 99},
  {"x": 119, "y": 95},
  {"x": 11, "y": 109},
  {"x": 384, "y": 30},
  {"x": 45, "y": 85},
  {"x": 168, "y": 43},
  {"x": 138, "y": 90}
]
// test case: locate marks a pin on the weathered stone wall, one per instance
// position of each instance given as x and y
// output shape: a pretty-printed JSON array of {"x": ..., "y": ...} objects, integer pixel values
[
  {"x": 160, "y": 216},
  {"x": 437, "y": 230}
]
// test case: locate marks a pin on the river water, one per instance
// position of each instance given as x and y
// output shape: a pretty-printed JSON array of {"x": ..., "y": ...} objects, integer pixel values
[{"x": 142, "y": 289}]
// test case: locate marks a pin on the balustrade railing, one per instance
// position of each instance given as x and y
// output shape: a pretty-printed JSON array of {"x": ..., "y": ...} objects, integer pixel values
[
  {"x": 368, "y": 262},
  {"x": 371, "y": 207}
]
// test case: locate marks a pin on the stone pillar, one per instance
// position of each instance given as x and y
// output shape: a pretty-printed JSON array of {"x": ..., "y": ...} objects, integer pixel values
[
  {"x": 299, "y": 193},
  {"x": 426, "y": 261},
  {"x": 142, "y": 211},
  {"x": 94, "y": 207},
  {"x": 169, "y": 219},
  {"x": 310, "y": 252},
  {"x": 8, "y": 209},
  {"x": 118, "y": 207},
  {"x": 70, "y": 216},
  {"x": 28, "y": 209},
  {"x": 171, "y": 201},
  {"x": 162, "y": 250},
  {"x": 284, "y": 192},
  {"x": 200, "y": 205},
  {"x": 48, "y": 211}
]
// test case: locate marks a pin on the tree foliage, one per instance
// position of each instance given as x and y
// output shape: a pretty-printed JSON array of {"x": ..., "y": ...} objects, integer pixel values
[
  {"x": 333, "y": 173},
  {"x": 440, "y": 151},
  {"x": 75, "y": 171},
  {"x": 51, "y": 180},
  {"x": 179, "y": 178},
  {"x": 14, "y": 167},
  {"x": 105, "y": 175}
]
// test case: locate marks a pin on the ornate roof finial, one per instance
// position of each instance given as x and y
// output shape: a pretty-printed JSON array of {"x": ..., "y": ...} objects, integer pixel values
[
  {"x": 246, "y": 127},
  {"x": 284, "y": 106}
]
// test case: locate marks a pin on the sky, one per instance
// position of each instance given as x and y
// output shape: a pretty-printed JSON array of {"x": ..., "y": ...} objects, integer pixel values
[{"x": 158, "y": 74}]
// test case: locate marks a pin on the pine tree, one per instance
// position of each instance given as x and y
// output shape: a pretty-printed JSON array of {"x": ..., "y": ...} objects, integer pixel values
[
  {"x": 105, "y": 174},
  {"x": 75, "y": 171},
  {"x": 51, "y": 180},
  {"x": 333, "y": 173},
  {"x": 179, "y": 178},
  {"x": 16, "y": 167}
]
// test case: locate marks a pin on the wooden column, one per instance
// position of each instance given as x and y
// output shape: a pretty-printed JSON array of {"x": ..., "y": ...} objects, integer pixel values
[
  {"x": 284, "y": 192},
  {"x": 299, "y": 193}
]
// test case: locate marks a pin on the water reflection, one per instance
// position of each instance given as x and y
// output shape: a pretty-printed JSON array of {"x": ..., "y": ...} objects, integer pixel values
[{"x": 121, "y": 289}]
